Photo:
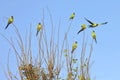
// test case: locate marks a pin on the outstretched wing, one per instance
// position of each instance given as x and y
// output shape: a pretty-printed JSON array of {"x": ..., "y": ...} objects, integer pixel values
[{"x": 89, "y": 21}]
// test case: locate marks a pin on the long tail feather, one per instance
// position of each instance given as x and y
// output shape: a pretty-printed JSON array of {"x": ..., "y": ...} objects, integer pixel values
[
  {"x": 104, "y": 23},
  {"x": 79, "y": 31},
  {"x": 96, "y": 41},
  {"x": 37, "y": 33},
  {"x": 72, "y": 51},
  {"x": 7, "y": 26}
]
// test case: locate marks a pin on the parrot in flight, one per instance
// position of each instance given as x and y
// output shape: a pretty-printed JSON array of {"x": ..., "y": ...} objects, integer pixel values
[{"x": 95, "y": 24}]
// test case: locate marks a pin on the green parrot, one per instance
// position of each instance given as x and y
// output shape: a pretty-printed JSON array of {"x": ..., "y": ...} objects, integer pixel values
[
  {"x": 95, "y": 24},
  {"x": 74, "y": 46},
  {"x": 39, "y": 26},
  {"x": 94, "y": 35},
  {"x": 72, "y": 15},
  {"x": 83, "y": 27},
  {"x": 10, "y": 20}
]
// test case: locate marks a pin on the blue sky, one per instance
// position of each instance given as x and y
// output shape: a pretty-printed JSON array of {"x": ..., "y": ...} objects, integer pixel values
[{"x": 106, "y": 52}]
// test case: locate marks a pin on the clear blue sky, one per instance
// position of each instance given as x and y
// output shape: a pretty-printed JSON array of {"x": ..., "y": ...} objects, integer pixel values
[{"x": 106, "y": 52}]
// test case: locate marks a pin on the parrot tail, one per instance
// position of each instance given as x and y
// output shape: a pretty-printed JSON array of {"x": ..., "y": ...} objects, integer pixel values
[
  {"x": 79, "y": 31},
  {"x": 96, "y": 41},
  {"x": 37, "y": 33},
  {"x": 7, "y": 25},
  {"x": 72, "y": 51}
]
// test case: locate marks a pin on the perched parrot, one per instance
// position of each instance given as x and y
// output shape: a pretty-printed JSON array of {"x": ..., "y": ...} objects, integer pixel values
[
  {"x": 94, "y": 24},
  {"x": 83, "y": 27},
  {"x": 72, "y": 15},
  {"x": 74, "y": 46},
  {"x": 10, "y": 20},
  {"x": 38, "y": 28},
  {"x": 94, "y": 36}
]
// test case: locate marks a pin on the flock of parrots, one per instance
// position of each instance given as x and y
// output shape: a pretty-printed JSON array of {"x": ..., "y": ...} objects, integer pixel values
[{"x": 83, "y": 27}]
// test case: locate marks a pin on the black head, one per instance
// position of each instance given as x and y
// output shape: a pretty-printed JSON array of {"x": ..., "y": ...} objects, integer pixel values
[
  {"x": 11, "y": 16},
  {"x": 76, "y": 42}
]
